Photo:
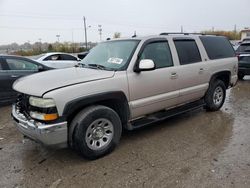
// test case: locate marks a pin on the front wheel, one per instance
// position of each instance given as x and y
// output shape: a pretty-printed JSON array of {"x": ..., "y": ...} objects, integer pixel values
[
  {"x": 97, "y": 131},
  {"x": 215, "y": 95}
]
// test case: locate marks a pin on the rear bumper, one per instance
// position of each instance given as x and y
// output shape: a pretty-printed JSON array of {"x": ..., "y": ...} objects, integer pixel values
[
  {"x": 244, "y": 71},
  {"x": 55, "y": 135}
]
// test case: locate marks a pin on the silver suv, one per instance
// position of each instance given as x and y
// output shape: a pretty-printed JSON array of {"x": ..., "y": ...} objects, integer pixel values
[{"x": 124, "y": 84}]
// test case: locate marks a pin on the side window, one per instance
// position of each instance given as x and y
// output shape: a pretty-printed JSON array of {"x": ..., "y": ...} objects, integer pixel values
[
  {"x": 159, "y": 52},
  {"x": 53, "y": 58},
  {"x": 18, "y": 64},
  {"x": 188, "y": 51},
  {"x": 217, "y": 47},
  {"x": 66, "y": 57}
]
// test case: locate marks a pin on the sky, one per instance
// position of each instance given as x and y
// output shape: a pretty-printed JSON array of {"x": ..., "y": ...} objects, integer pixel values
[{"x": 34, "y": 20}]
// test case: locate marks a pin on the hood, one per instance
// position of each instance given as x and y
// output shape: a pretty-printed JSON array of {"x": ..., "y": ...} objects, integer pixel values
[{"x": 39, "y": 83}]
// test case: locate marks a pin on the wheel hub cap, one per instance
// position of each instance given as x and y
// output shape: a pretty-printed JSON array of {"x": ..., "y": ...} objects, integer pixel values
[
  {"x": 99, "y": 134},
  {"x": 218, "y": 96}
]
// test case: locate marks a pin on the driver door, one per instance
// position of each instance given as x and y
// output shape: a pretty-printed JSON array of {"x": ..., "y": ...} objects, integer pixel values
[{"x": 154, "y": 90}]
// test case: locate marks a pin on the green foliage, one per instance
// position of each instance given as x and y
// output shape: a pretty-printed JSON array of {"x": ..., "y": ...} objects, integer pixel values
[
  {"x": 117, "y": 35},
  {"x": 56, "y": 47}
]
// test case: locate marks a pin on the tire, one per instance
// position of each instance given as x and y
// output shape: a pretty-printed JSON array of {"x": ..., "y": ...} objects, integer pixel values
[
  {"x": 97, "y": 131},
  {"x": 241, "y": 76},
  {"x": 215, "y": 96}
]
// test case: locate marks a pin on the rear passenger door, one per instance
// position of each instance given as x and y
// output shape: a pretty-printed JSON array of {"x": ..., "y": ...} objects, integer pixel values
[
  {"x": 18, "y": 68},
  {"x": 69, "y": 60},
  {"x": 4, "y": 81},
  {"x": 193, "y": 70}
]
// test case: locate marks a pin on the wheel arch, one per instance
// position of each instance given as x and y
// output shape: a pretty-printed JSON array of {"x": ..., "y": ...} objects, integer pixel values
[
  {"x": 115, "y": 100},
  {"x": 223, "y": 76}
]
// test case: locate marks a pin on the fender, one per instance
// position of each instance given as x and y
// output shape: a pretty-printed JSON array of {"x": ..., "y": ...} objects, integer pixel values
[{"x": 74, "y": 106}]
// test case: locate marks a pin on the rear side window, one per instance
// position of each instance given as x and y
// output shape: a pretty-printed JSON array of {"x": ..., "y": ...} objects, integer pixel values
[
  {"x": 244, "y": 58},
  {"x": 53, "y": 58},
  {"x": 244, "y": 48},
  {"x": 217, "y": 47},
  {"x": 66, "y": 57},
  {"x": 19, "y": 64},
  {"x": 188, "y": 51}
]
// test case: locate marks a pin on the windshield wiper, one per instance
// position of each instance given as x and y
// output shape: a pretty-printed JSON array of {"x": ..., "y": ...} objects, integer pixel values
[
  {"x": 95, "y": 66},
  {"x": 98, "y": 66}
]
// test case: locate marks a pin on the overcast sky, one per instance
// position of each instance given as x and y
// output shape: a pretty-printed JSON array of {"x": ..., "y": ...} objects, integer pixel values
[{"x": 31, "y": 20}]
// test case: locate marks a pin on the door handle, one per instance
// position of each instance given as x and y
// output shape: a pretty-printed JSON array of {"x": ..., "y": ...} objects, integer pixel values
[
  {"x": 201, "y": 70},
  {"x": 173, "y": 75}
]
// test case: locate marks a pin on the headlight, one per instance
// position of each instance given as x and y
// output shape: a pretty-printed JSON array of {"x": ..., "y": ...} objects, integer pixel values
[
  {"x": 43, "y": 109},
  {"x": 41, "y": 102}
]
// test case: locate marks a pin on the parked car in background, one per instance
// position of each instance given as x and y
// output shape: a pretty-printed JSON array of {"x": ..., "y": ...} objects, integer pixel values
[
  {"x": 58, "y": 60},
  {"x": 82, "y": 55},
  {"x": 12, "y": 68},
  {"x": 243, "y": 53}
]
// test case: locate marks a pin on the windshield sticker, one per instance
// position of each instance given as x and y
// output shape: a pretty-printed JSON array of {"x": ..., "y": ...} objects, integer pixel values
[{"x": 115, "y": 60}]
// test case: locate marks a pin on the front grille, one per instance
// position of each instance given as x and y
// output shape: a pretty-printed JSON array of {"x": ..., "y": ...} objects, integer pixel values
[{"x": 22, "y": 103}]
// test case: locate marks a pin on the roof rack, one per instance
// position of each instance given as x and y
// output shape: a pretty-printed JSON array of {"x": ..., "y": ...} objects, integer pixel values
[{"x": 182, "y": 33}]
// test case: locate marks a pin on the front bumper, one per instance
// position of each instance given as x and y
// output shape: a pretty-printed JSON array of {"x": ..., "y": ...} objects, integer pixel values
[{"x": 55, "y": 135}]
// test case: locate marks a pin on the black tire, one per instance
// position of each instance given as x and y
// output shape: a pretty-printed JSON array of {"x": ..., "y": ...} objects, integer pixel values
[
  {"x": 82, "y": 123},
  {"x": 241, "y": 76},
  {"x": 211, "y": 104}
]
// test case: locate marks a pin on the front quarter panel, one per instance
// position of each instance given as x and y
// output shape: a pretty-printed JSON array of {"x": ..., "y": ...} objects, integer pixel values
[{"x": 64, "y": 95}]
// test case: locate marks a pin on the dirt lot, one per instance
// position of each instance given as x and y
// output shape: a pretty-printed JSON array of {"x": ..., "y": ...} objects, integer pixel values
[{"x": 196, "y": 149}]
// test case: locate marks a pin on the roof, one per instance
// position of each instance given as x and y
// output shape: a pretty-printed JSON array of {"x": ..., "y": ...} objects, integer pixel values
[
  {"x": 245, "y": 30},
  {"x": 162, "y": 35}
]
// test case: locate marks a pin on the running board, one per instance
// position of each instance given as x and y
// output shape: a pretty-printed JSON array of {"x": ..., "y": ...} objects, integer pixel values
[{"x": 164, "y": 114}]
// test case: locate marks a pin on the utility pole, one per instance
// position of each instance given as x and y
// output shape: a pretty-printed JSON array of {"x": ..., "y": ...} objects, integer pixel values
[
  {"x": 85, "y": 31},
  {"x": 100, "y": 31},
  {"x": 40, "y": 44},
  {"x": 181, "y": 29},
  {"x": 58, "y": 38}
]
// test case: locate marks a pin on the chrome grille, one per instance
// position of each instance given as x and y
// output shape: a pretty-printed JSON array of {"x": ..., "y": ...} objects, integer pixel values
[{"x": 22, "y": 103}]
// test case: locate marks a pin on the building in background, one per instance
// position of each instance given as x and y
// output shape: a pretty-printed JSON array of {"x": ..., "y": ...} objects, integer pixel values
[{"x": 245, "y": 33}]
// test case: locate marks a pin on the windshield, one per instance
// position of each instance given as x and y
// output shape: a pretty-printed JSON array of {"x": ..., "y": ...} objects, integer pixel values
[
  {"x": 111, "y": 55},
  {"x": 244, "y": 48}
]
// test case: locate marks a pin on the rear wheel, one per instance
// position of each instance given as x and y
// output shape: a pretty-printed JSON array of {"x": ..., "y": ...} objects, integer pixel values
[
  {"x": 97, "y": 131},
  {"x": 215, "y": 95}
]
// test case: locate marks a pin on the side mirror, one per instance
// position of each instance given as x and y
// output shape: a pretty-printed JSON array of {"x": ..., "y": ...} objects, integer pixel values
[
  {"x": 40, "y": 68},
  {"x": 145, "y": 65}
]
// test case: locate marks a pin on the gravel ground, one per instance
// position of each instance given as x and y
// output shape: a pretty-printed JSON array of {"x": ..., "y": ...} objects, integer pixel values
[{"x": 196, "y": 149}]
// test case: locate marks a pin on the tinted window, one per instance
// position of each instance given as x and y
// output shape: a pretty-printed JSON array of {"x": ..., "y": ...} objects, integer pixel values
[
  {"x": 18, "y": 64},
  {"x": 244, "y": 59},
  {"x": 1, "y": 68},
  {"x": 67, "y": 57},
  {"x": 188, "y": 51},
  {"x": 217, "y": 47},
  {"x": 159, "y": 52},
  {"x": 53, "y": 58},
  {"x": 244, "y": 48}
]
